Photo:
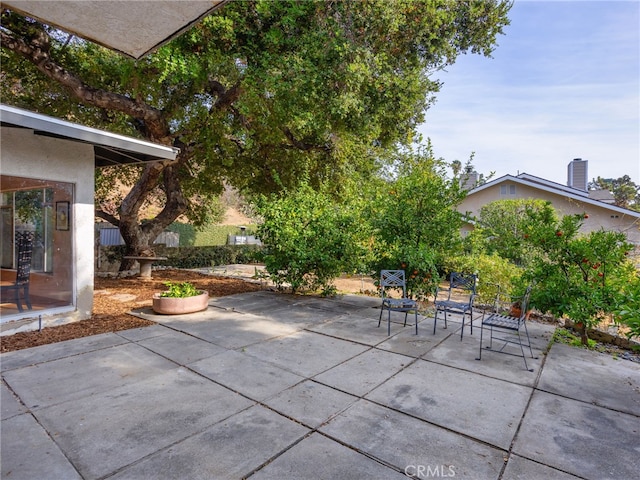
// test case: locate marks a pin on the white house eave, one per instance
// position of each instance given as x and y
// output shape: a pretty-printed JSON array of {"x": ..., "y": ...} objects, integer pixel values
[
  {"x": 553, "y": 185},
  {"x": 556, "y": 191},
  {"x": 120, "y": 148}
]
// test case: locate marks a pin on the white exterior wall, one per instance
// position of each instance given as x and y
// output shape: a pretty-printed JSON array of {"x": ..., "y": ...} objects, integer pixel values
[
  {"x": 34, "y": 156},
  {"x": 599, "y": 216}
]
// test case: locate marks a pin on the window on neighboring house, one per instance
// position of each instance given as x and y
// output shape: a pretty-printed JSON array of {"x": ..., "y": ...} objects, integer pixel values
[{"x": 509, "y": 189}]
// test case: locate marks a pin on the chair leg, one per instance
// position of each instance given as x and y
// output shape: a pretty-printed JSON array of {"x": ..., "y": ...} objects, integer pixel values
[
  {"x": 380, "y": 319},
  {"x": 524, "y": 357},
  {"x": 389, "y": 324},
  {"x": 526, "y": 330},
  {"x": 26, "y": 297},
  {"x": 480, "y": 351},
  {"x": 17, "y": 290},
  {"x": 435, "y": 320},
  {"x": 470, "y": 323},
  {"x": 416, "y": 312}
]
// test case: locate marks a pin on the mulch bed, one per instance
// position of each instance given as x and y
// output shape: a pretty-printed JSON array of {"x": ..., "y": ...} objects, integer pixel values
[{"x": 115, "y": 297}]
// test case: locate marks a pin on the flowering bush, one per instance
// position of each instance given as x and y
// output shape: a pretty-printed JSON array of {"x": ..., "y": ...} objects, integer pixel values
[{"x": 576, "y": 276}]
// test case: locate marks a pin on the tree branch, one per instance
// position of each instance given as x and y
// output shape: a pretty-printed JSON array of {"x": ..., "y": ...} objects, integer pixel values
[
  {"x": 112, "y": 219},
  {"x": 37, "y": 52},
  {"x": 303, "y": 145}
]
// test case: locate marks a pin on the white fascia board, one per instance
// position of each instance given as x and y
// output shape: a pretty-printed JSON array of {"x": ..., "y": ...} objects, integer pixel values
[{"x": 73, "y": 131}]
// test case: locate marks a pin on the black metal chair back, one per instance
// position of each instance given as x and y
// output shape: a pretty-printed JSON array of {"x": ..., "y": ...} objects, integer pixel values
[
  {"x": 395, "y": 280},
  {"x": 459, "y": 300},
  {"x": 24, "y": 243},
  {"x": 25, "y": 252}
]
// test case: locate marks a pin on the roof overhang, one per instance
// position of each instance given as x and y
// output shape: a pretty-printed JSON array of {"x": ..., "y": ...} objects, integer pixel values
[
  {"x": 109, "y": 148},
  {"x": 556, "y": 189},
  {"x": 132, "y": 27}
]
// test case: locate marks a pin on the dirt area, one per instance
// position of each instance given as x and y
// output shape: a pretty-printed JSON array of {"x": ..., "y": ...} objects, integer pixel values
[{"x": 114, "y": 297}]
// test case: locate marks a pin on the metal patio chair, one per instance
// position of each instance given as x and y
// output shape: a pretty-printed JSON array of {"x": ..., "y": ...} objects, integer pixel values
[
  {"x": 24, "y": 241},
  {"x": 395, "y": 280},
  {"x": 458, "y": 299},
  {"x": 510, "y": 323}
]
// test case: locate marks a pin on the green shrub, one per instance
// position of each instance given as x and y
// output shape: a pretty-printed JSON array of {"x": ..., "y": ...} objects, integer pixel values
[
  {"x": 180, "y": 290},
  {"x": 576, "y": 275},
  {"x": 627, "y": 307},
  {"x": 309, "y": 240},
  {"x": 421, "y": 274},
  {"x": 414, "y": 220},
  {"x": 492, "y": 270},
  {"x": 201, "y": 257},
  {"x": 207, "y": 235}
]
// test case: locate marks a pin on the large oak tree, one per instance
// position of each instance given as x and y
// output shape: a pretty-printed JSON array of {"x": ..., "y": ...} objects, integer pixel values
[{"x": 260, "y": 94}]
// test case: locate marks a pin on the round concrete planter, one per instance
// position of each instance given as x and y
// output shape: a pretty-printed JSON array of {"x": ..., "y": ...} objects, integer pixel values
[{"x": 177, "y": 306}]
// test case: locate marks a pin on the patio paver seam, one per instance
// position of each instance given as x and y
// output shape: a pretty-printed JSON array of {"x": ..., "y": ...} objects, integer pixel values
[
  {"x": 75, "y": 354},
  {"x": 171, "y": 445},
  {"x": 438, "y": 425},
  {"x": 587, "y": 402},
  {"x": 545, "y": 355},
  {"x": 53, "y": 439}
]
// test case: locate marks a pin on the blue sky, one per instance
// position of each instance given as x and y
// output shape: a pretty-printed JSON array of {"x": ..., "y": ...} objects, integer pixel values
[{"x": 563, "y": 83}]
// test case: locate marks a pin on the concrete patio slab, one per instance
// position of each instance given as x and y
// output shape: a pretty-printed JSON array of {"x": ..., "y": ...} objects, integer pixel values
[
  {"x": 273, "y": 399},
  {"x": 405, "y": 342},
  {"x": 246, "y": 374},
  {"x": 382, "y": 434},
  {"x": 45, "y": 353},
  {"x": 10, "y": 406},
  {"x": 105, "y": 432},
  {"x": 480, "y": 407},
  {"x": 143, "y": 333},
  {"x": 181, "y": 347},
  {"x": 227, "y": 329},
  {"x": 298, "y": 316},
  {"x": 343, "y": 304},
  {"x": 230, "y": 449},
  {"x": 463, "y": 354},
  {"x": 310, "y": 403},
  {"x": 354, "y": 328},
  {"x": 321, "y": 458},
  {"x": 305, "y": 353},
  {"x": 28, "y": 452},
  {"x": 594, "y": 378},
  {"x": 523, "y": 469},
  {"x": 576, "y": 437},
  {"x": 84, "y": 375},
  {"x": 363, "y": 373},
  {"x": 254, "y": 302}
]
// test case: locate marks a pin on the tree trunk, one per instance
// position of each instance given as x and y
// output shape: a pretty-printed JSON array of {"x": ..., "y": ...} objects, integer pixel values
[{"x": 139, "y": 236}]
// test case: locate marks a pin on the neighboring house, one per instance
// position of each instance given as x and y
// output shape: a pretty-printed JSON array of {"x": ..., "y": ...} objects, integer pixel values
[
  {"x": 566, "y": 200},
  {"x": 47, "y": 187}
]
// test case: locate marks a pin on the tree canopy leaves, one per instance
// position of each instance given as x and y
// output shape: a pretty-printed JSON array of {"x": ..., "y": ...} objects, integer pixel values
[{"x": 260, "y": 94}]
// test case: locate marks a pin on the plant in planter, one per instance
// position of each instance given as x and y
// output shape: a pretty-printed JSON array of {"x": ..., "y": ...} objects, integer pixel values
[{"x": 180, "y": 298}]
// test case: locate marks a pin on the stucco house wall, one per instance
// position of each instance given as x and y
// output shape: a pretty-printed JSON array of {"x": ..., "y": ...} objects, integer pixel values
[
  {"x": 47, "y": 191},
  {"x": 39, "y": 157}
]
